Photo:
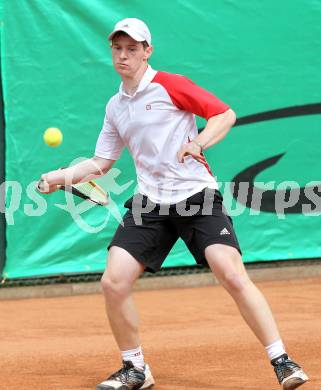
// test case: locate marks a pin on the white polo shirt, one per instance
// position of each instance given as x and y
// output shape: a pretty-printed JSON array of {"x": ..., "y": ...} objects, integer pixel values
[{"x": 154, "y": 123}]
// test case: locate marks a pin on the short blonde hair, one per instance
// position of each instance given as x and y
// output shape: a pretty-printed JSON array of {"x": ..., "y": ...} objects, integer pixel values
[{"x": 119, "y": 34}]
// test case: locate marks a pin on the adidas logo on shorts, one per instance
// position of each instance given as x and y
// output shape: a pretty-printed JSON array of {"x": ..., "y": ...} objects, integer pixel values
[{"x": 224, "y": 231}]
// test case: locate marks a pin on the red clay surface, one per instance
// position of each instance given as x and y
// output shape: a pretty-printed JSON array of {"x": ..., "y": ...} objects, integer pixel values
[{"x": 193, "y": 339}]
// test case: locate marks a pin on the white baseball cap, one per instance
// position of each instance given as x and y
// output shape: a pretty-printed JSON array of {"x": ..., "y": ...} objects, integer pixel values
[{"x": 135, "y": 28}]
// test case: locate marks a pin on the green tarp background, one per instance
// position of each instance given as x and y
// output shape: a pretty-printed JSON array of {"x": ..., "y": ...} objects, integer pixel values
[
  {"x": 2, "y": 163},
  {"x": 57, "y": 71}
]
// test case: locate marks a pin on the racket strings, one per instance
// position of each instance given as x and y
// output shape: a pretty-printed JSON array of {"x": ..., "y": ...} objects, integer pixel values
[{"x": 92, "y": 192}]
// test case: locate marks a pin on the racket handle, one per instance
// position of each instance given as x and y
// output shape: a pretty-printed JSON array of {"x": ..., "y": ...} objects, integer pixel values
[{"x": 55, "y": 186}]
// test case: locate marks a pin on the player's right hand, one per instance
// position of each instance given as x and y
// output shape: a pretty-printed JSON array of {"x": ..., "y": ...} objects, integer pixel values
[{"x": 44, "y": 187}]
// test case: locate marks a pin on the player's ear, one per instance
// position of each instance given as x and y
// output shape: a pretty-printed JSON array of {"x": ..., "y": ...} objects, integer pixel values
[{"x": 148, "y": 52}]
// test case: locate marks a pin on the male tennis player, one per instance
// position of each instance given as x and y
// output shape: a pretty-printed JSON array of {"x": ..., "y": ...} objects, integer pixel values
[{"x": 153, "y": 115}]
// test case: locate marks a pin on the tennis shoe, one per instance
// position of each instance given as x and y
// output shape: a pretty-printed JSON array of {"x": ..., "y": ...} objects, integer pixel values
[
  {"x": 290, "y": 375},
  {"x": 128, "y": 377}
]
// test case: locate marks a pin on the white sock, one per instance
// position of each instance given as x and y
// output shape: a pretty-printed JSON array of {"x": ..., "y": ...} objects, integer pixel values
[
  {"x": 275, "y": 350},
  {"x": 135, "y": 356}
]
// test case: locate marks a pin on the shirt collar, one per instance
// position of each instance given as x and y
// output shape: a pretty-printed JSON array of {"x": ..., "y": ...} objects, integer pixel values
[{"x": 144, "y": 82}]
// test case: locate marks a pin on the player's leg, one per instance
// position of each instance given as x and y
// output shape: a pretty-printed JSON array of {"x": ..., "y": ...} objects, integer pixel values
[
  {"x": 226, "y": 264},
  {"x": 117, "y": 283},
  {"x": 134, "y": 247},
  {"x": 211, "y": 238}
]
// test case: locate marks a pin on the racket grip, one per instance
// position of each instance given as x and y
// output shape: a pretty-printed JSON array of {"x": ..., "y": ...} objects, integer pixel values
[{"x": 51, "y": 188}]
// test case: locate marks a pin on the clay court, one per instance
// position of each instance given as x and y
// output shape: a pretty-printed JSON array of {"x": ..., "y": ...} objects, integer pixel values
[{"x": 193, "y": 338}]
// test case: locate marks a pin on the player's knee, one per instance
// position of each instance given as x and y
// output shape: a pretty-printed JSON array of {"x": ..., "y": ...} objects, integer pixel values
[
  {"x": 235, "y": 282},
  {"x": 114, "y": 288}
]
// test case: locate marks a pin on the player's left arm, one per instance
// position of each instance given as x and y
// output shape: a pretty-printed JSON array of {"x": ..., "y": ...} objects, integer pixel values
[
  {"x": 215, "y": 130},
  {"x": 188, "y": 96}
]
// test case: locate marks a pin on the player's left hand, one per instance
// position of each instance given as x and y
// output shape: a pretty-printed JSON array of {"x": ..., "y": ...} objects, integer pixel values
[{"x": 193, "y": 150}]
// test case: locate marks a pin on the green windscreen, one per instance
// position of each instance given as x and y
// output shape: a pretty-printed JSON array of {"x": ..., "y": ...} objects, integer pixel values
[
  {"x": 261, "y": 58},
  {"x": 2, "y": 161}
]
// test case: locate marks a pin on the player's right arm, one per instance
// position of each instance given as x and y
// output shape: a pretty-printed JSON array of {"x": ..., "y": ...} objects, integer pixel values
[{"x": 84, "y": 171}]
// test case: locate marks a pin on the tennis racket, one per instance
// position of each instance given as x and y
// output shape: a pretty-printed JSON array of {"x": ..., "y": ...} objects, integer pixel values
[{"x": 90, "y": 191}]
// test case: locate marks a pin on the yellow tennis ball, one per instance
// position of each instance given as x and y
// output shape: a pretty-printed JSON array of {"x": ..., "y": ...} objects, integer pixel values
[{"x": 53, "y": 137}]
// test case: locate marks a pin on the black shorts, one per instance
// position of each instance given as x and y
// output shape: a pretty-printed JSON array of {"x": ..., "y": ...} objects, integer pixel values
[{"x": 149, "y": 236}]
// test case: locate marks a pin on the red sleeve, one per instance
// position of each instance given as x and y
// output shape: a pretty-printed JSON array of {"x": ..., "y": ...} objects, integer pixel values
[{"x": 188, "y": 96}]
